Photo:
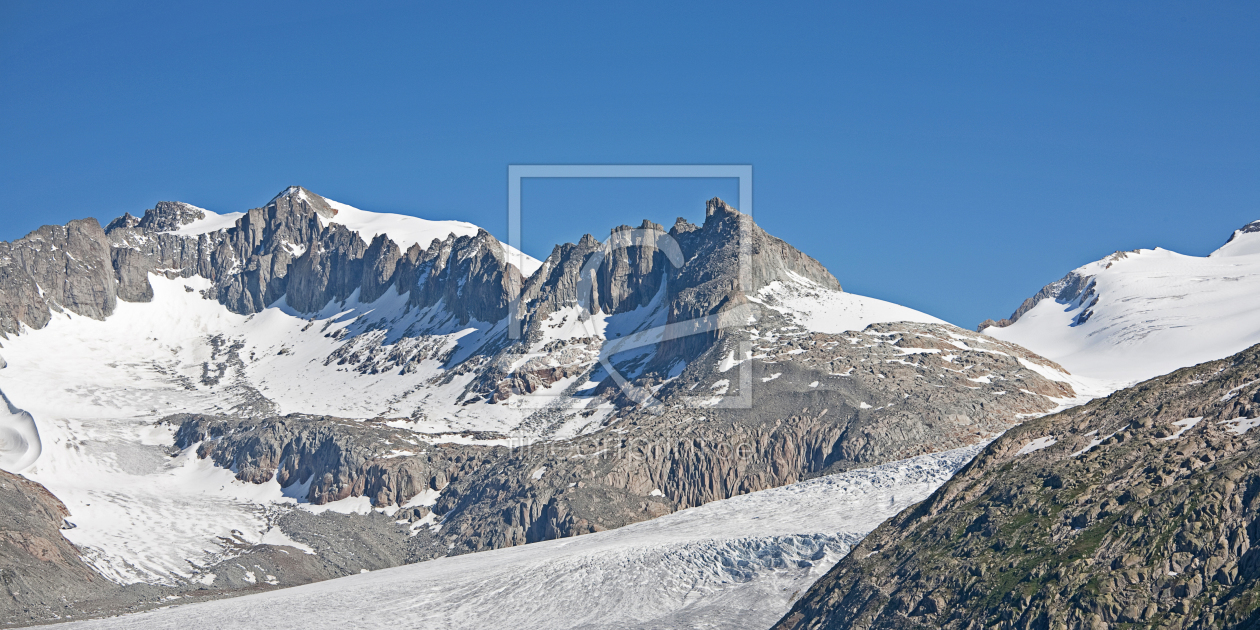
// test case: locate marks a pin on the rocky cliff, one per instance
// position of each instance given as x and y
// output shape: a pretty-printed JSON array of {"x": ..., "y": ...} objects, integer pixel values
[
  {"x": 1138, "y": 510},
  {"x": 56, "y": 269}
]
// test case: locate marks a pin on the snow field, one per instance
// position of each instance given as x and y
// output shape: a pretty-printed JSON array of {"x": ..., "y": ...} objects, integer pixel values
[
  {"x": 736, "y": 563},
  {"x": 1156, "y": 311}
]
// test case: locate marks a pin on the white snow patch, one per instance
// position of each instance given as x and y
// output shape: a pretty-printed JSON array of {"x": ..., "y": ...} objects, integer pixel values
[
  {"x": 1185, "y": 425},
  {"x": 1036, "y": 445},
  {"x": 212, "y": 222},
  {"x": 1241, "y": 425},
  {"x": 730, "y": 361},
  {"x": 425, "y": 498},
  {"x": 820, "y": 309},
  {"x": 278, "y": 538},
  {"x": 1099, "y": 440}
]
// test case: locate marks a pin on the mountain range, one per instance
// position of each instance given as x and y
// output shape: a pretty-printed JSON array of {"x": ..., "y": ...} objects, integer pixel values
[{"x": 204, "y": 405}]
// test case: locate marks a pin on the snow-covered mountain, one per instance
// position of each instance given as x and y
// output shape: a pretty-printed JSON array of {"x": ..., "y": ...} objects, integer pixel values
[
  {"x": 1135, "y": 315},
  {"x": 217, "y": 398}
]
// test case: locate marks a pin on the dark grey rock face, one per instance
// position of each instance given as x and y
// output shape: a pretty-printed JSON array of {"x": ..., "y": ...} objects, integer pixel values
[
  {"x": 123, "y": 222},
  {"x": 338, "y": 458},
  {"x": 168, "y": 216},
  {"x": 380, "y": 261},
  {"x": 470, "y": 274},
  {"x": 1140, "y": 513},
  {"x": 56, "y": 268},
  {"x": 131, "y": 270},
  {"x": 631, "y": 276}
]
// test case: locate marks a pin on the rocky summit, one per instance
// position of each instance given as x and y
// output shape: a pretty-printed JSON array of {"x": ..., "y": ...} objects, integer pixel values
[{"x": 1133, "y": 511}]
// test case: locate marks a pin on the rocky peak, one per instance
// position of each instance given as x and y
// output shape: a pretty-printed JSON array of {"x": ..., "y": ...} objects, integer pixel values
[
  {"x": 682, "y": 226},
  {"x": 124, "y": 222},
  {"x": 298, "y": 197},
  {"x": 470, "y": 274},
  {"x": 717, "y": 206},
  {"x": 166, "y": 216}
]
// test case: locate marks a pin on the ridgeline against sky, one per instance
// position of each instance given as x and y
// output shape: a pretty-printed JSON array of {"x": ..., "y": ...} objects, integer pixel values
[{"x": 952, "y": 159}]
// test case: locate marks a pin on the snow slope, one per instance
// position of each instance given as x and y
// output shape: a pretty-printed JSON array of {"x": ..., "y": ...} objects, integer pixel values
[
  {"x": 821, "y": 309},
  {"x": 19, "y": 437},
  {"x": 95, "y": 389},
  {"x": 212, "y": 222},
  {"x": 737, "y": 563},
  {"x": 407, "y": 230},
  {"x": 1149, "y": 312},
  {"x": 172, "y": 355}
]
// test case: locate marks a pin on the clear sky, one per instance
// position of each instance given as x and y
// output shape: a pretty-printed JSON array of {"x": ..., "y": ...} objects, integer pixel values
[{"x": 952, "y": 157}]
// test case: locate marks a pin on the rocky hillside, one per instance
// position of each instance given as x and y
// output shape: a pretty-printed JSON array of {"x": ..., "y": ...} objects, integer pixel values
[
  {"x": 1137, "y": 510},
  {"x": 40, "y": 571}
]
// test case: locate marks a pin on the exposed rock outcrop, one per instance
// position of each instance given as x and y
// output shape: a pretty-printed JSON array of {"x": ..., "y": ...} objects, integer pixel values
[
  {"x": 56, "y": 268},
  {"x": 168, "y": 216},
  {"x": 40, "y": 571},
  {"x": 1138, "y": 510},
  {"x": 332, "y": 458}
]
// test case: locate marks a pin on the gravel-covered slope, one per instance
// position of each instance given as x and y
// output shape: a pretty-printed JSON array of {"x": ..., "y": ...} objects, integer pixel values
[{"x": 1138, "y": 510}]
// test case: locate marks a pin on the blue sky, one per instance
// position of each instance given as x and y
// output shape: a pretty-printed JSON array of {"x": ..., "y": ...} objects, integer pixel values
[{"x": 952, "y": 157}]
